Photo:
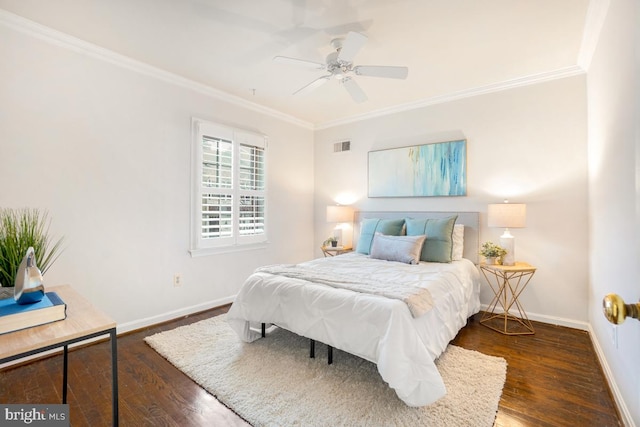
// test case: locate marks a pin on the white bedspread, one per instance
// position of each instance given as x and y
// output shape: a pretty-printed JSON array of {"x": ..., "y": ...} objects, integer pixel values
[
  {"x": 373, "y": 327},
  {"x": 370, "y": 277}
]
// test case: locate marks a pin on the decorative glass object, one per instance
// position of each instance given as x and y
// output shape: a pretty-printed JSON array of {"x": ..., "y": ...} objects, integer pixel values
[{"x": 29, "y": 287}]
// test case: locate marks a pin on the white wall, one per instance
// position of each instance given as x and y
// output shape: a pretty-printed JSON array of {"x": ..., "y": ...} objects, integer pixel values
[
  {"x": 614, "y": 226},
  {"x": 527, "y": 144},
  {"x": 106, "y": 151}
]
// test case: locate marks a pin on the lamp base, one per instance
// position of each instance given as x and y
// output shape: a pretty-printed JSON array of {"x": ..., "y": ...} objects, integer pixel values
[
  {"x": 344, "y": 234},
  {"x": 508, "y": 242}
]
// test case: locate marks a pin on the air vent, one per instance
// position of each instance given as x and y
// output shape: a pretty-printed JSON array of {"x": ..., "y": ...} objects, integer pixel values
[{"x": 341, "y": 146}]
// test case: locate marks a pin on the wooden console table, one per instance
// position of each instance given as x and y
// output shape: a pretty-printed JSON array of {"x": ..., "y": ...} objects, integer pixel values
[{"x": 83, "y": 322}]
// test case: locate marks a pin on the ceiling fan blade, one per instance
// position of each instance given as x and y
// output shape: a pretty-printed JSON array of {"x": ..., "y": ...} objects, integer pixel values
[
  {"x": 382, "y": 71},
  {"x": 313, "y": 85},
  {"x": 351, "y": 46},
  {"x": 354, "y": 90},
  {"x": 299, "y": 62}
]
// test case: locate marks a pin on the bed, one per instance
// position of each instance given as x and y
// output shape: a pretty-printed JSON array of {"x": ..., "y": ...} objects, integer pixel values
[{"x": 402, "y": 331}]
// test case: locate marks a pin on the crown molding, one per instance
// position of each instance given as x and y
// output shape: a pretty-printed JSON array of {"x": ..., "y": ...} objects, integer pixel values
[
  {"x": 60, "y": 39},
  {"x": 595, "y": 18},
  {"x": 454, "y": 96}
]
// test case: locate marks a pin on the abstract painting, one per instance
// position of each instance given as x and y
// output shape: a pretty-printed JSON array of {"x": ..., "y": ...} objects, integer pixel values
[{"x": 438, "y": 169}]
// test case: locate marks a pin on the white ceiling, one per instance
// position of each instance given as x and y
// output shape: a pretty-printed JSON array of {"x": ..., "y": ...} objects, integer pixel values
[{"x": 450, "y": 46}]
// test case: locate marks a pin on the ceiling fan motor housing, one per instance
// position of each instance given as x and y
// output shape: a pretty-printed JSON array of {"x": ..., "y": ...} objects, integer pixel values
[{"x": 338, "y": 68}]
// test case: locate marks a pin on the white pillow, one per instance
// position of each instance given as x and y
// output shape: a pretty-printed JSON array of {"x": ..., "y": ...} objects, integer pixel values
[
  {"x": 405, "y": 249},
  {"x": 458, "y": 242}
]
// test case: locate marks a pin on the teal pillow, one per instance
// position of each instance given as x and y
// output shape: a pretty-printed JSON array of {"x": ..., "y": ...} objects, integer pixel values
[
  {"x": 369, "y": 227},
  {"x": 439, "y": 244}
]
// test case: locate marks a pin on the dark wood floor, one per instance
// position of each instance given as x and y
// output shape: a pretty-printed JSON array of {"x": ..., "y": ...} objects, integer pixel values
[{"x": 553, "y": 379}]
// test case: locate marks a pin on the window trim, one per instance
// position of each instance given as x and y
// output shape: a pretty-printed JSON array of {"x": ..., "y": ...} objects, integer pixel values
[{"x": 238, "y": 137}]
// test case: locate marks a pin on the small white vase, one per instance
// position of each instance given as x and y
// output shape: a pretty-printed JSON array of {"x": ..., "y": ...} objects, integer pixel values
[{"x": 491, "y": 260}]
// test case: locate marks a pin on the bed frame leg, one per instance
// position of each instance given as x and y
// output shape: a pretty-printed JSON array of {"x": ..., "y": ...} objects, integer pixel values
[
  {"x": 312, "y": 349},
  {"x": 264, "y": 330},
  {"x": 329, "y": 355}
]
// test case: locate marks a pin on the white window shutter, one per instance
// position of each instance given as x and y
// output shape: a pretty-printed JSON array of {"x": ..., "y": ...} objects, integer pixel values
[{"x": 229, "y": 202}]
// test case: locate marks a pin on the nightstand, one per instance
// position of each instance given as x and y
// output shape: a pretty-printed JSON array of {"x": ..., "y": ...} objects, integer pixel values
[
  {"x": 337, "y": 250},
  {"x": 507, "y": 283}
]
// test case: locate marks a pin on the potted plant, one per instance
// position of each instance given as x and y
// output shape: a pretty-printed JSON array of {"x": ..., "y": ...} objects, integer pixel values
[
  {"x": 492, "y": 252},
  {"x": 331, "y": 241},
  {"x": 21, "y": 229}
]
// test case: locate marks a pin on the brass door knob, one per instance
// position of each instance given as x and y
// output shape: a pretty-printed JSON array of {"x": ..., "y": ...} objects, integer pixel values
[{"x": 615, "y": 310}]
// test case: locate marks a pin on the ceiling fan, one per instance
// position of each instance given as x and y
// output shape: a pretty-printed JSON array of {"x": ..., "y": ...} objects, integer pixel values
[{"x": 340, "y": 66}]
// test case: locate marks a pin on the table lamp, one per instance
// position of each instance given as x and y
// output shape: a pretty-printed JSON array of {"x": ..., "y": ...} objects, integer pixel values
[
  {"x": 342, "y": 215},
  {"x": 507, "y": 215}
]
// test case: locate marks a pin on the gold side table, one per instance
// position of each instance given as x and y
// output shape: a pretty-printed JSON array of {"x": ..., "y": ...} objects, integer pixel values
[
  {"x": 335, "y": 250},
  {"x": 507, "y": 283}
]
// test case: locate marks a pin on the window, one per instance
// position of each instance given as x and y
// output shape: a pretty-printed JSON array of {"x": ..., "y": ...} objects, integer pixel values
[{"x": 229, "y": 195}]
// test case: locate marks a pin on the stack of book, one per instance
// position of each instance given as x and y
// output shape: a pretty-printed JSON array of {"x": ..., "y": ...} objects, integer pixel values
[{"x": 14, "y": 316}]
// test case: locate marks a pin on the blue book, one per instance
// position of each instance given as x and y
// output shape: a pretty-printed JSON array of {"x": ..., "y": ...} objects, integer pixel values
[{"x": 14, "y": 316}]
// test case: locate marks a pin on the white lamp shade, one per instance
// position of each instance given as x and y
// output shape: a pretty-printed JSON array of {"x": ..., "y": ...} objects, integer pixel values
[
  {"x": 339, "y": 214},
  {"x": 507, "y": 215}
]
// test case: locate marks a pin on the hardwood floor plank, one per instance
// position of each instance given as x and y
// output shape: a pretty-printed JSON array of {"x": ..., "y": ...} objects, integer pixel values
[{"x": 553, "y": 379}]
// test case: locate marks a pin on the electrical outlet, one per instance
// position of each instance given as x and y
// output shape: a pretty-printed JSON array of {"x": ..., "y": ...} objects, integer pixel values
[{"x": 177, "y": 280}]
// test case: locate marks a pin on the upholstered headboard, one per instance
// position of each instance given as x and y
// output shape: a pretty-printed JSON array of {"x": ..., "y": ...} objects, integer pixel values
[{"x": 471, "y": 221}]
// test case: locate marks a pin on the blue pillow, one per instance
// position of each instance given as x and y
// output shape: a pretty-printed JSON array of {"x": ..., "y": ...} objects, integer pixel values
[
  {"x": 369, "y": 227},
  {"x": 439, "y": 244}
]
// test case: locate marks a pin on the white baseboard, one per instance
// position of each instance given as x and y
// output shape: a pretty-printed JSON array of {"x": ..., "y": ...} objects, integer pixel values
[
  {"x": 170, "y": 315},
  {"x": 553, "y": 320},
  {"x": 617, "y": 396}
]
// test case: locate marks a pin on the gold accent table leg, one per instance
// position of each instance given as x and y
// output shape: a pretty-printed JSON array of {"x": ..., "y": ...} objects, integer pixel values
[
  {"x": 507, "y": 287},
  {"x": 522, "y": 319}
]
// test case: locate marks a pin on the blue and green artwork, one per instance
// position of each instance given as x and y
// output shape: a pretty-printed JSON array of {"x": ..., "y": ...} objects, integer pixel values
[{"x": 420, "y": 171}]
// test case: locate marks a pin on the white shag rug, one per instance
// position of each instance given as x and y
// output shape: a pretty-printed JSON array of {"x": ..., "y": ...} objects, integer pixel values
[{"x": 273, "y": 382}]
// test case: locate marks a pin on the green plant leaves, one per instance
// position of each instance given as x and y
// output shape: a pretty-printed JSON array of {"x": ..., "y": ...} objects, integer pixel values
[
  {"x": 491, "y": 250},
  {"x": 19, "y": 230}
]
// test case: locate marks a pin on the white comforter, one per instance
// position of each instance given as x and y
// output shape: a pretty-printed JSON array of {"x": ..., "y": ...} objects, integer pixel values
[{"x": 373, "y": 327}]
